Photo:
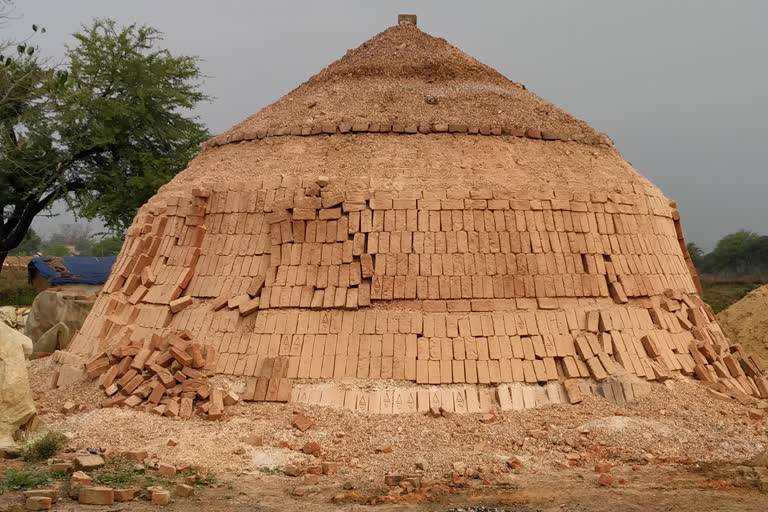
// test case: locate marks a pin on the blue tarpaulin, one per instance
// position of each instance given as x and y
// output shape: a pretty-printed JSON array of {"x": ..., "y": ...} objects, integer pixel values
[{"x": 71, "y": 269}]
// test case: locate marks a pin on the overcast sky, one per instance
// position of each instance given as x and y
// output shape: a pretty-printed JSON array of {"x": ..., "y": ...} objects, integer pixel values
[{"x": 680, "y": 86}]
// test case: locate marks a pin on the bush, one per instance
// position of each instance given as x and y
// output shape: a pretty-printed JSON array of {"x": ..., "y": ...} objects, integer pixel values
[{"x": 43, "y": 447}]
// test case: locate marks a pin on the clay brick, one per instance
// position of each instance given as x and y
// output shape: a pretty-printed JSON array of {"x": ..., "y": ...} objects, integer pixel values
[
  {"x": 219, "y": 302},
  {"x": 160, "y": 497},
  {"x": 380, "y": 204},
  {"x": 278, "y": 216},
  {"x": 181, "y": 356},
  {"x": 304, "y": 213},
  {"x": 180, "y": 303},
  {"x": 96, "y": 496},
  {"x": 38, "y": 503},
  {"x": 596, "y": 368},
  {"x": 329, "y": 213}
]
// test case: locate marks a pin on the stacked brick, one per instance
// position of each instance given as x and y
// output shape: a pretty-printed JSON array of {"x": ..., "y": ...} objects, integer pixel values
[
  {"x": 342, "y": 250},
  {"x": 459, "y": 399},
  {"x": 403, "y": 128},
  {"x": 496, "y": 287}
]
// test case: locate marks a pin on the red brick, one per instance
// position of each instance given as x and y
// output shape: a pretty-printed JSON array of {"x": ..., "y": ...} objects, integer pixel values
[
  {"x": 605, "y": 480},
  {"x": 311, "y": 448},
  {"x": 602, "y": 467},
  {"x": 166, "y": 469},
  {"x": 330, "y": 468},
  {"x": 302, "y": 422}
]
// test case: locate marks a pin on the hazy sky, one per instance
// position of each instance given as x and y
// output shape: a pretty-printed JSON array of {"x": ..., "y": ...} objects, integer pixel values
[{"x": 680, "y": 86}]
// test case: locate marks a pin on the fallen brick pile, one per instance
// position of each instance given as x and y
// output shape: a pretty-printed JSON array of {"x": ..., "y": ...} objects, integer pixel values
[
  {"x": 82, "y": 487},
  {"x": 166, "y": 375}
]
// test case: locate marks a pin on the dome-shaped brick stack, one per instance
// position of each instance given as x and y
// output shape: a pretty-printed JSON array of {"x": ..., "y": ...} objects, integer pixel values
[{"x": 468, "y": 242}]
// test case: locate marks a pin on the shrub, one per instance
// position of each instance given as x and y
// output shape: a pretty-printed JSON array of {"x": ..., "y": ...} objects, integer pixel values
[{"x": 43, "y": 447}]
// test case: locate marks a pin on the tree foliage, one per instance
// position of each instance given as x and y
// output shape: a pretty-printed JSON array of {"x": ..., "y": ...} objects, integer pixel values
[
  {"x": 76, "y": 235},
  {"x": 126, "y": 116},
  {"x": 57, "y": 250},
  {"x": 104, "y": 131},
  {"x": 696, "y": 253},
  {"x": 109, "y": 246},
  {"x": 740, "y": 254}
]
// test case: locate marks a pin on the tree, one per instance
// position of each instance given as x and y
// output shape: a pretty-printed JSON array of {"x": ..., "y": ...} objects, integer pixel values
[
  {"x": 696, "y": 254},
  {"x": 57, "y": 250},
  {"x": 728, "y": 255},
  {"x": 102, "y": 132},
  {"x": 76, "y": 235},
  {"x": 109, "y": 246},
  {"x": 29, "y": 246}
]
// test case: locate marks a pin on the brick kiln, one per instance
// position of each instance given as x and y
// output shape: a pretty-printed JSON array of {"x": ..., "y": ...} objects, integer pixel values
[{"x": 408, "y": 229}]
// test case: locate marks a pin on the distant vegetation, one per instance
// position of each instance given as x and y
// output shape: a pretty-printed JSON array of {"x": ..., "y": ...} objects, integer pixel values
[
  {"x": 737, "y": 265},
  {"x": 69, "y": 240}
]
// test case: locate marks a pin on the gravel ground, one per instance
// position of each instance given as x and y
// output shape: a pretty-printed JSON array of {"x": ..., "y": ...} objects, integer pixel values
[{"x": 674, "y": 423}]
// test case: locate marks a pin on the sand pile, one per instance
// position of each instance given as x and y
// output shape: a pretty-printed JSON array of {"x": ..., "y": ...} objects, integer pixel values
[{"x": 746, "y": 321}]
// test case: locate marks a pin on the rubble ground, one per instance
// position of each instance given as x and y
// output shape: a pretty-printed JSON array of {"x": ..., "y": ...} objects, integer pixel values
[{"x": 671, "y": 447}]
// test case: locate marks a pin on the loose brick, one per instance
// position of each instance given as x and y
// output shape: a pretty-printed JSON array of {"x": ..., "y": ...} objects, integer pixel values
[
  {"x": 96, "y": 496},
  {"x": 301, "y": 422},
  {"x": 184, "y": 490},
  {"x": 127, "y": 494},
  {"x": 330, "y": 468},
  {"x": 161, "y": 497},
  {"x": 180, "y": 303},
  {"x": 38, "y": 503},
  {"x": 137, "y": 455},
  {"x": 166, "y": 469}
]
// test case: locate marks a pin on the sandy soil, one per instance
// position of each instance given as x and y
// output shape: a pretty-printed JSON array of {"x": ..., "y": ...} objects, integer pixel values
[{"x": 747, "y": 321}]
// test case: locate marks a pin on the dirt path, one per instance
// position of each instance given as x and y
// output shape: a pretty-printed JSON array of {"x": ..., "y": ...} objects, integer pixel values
[{"x": 647, "y": 488}]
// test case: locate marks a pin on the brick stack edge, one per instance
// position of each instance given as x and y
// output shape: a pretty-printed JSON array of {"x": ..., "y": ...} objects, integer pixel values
[
  {"x": 277, "y": 280},
  {"x": 404, "y": 128}
]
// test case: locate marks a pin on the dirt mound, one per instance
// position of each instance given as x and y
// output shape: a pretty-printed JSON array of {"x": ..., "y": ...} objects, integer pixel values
[
  {"x": 404, "y": 75},
  {"x": 746, "y": 321}
]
